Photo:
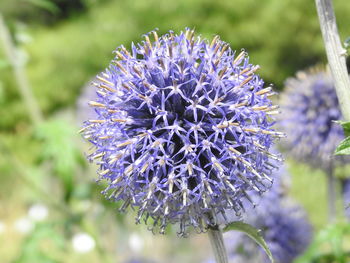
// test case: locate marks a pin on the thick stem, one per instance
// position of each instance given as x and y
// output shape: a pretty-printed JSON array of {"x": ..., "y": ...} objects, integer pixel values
[
  {"x": 20, "y": 75},
  {"x": 332, "y": 195},
  {"x": 217, "y": 243},
  {"x": 336, "y": 54}
]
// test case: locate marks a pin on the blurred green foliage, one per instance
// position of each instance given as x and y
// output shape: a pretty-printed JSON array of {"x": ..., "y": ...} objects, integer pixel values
[
  {"x": 304, "y": 180},
  {"x": 63, "y": 43},
  {"x": 42, "y": 11},
  {"x": 329, "y": 245},
  {"x": 59, "y": 149},
  {"x": 281, "y": 36},
  {"x": 42, "y": 246}
]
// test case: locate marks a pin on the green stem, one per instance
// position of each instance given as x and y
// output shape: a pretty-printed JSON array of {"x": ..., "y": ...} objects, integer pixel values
[
  {"x": 20, "y": 75},
  {"x": 217, "y": 243},
  {"x": 332, "y": 194},
  {"x": 336, "y": 54}
]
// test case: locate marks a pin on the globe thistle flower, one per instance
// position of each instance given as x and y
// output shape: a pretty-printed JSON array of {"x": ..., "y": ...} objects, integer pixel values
[
  {"x": 310, "y": 106},
  {"x": 182, "y": 129}
]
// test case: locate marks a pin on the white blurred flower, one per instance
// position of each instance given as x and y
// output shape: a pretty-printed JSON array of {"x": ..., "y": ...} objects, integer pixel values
[
  {"x": 24, "y": 225},
  {"x": 38, "y": 212},
  {"x": 136, "y": 242},
  {"x": 83, "y": 243},
  {"x": 2, "y": 227}
]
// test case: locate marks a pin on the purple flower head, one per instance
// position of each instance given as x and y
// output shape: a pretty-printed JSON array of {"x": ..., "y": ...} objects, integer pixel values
[
  {"x": 183, "y": 129},
  {"x": 310, "y": 106}
]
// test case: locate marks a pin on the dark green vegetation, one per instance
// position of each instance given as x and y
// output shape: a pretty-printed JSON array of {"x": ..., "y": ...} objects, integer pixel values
[
  {"x": 63, "y": 44},
  {"x": 281, "y": 36}
]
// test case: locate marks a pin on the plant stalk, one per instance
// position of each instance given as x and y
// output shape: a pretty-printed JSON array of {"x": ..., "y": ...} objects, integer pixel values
[
  {"x": 336, "y": 54},
  {"x": 20, "y": 75},
  {"x": 217, "y": 244},
  {"x": 332, "y": 194}
]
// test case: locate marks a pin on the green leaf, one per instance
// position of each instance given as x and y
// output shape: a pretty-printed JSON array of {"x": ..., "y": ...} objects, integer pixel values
[
  {"x": 45, "y": 4},
  {"x": 343, "y": 147},
  {"x": 346, "y": 127},
  {"x": 252, "y": 232},
  {"x": 332, "y": 237},
  {"x": 60, "y": 148}
]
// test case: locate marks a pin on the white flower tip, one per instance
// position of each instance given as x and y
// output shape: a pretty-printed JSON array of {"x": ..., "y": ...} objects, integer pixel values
[
  {"x": 83, "y": 243},
  {"x": 38, "y": 212},
  {"x": 136, "y": 243},
  {"x": 24, "y": 225}
]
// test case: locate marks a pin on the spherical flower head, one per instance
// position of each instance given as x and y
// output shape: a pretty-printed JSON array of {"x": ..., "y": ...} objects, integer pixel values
[
  {"x": 310, "y": 107},
  {"x": 183, "y": 129}
]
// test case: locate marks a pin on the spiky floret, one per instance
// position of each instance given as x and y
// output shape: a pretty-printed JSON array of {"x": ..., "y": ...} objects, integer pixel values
[
  {"x": 310, "y": 106},
  {"x": 182, "y": 129}
]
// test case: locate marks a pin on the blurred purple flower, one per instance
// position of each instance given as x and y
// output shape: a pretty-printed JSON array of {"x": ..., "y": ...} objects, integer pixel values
[
  {"x": 284, "y": 227},
  {"x": 346, "y": 196},
  {"x": 83, "y": 110},
  {"x": 310, "y": 107},
  {"x": 139, "y": 260},
  {"x": 286, "y": 232},
  {"x": 182, "y": 129}
]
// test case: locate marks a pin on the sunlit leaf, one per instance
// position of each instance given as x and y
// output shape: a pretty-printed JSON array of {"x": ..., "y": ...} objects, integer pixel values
[{"x": 343, "y": 147}]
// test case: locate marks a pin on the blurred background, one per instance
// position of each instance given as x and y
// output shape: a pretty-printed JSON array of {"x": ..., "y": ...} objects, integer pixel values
[{"x": 51, "y": 209}]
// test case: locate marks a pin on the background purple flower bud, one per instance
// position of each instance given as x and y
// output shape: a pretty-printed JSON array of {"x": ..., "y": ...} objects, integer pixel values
[
  {"x": 310, "y": 107},
  {"x": 284, "y": 227},
  {"x": 346, "y": 196},
  {"x": 183, "y": 129},
  {"x": 285, "y": 230}
]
